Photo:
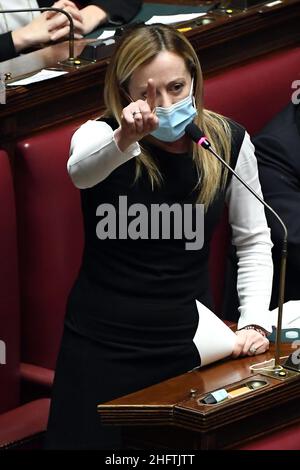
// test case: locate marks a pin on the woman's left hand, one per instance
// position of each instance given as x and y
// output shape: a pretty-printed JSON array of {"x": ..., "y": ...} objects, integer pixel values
[{"x": 250, "y": 343}]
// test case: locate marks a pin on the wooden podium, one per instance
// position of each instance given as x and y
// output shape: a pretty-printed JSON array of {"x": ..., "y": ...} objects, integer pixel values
[{"x": 171, "y": 415}]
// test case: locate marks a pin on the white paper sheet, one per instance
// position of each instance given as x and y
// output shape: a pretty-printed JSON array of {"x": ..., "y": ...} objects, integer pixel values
[
  {"x": 107, "y": 34},
  {"x": 38, "y": 77},
  {"x": 290, "y": 314},
  {"x": 213, "y": 339},
  {"x": 169, "y": 19}
]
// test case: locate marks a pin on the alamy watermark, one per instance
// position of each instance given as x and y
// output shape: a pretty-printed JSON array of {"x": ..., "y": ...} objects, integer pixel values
[
  {"x": 160, "y": 221},
  {"x": 295, "y": 357},
  {"x": 2, "y": 352},
  {"x": 2, "y": 89},
  {"x": 296, "y": 94}
]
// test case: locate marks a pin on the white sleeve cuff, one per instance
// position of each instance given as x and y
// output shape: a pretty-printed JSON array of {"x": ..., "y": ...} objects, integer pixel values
[
  {"x": 251, "y": 315},
  {"x": 94, "y": 154}
]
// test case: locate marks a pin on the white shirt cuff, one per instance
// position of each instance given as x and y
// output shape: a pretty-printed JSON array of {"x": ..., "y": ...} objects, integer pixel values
[{"x": 94, "y": 154}]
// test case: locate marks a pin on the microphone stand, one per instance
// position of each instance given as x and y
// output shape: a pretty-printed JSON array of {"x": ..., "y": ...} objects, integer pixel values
[
  {"x": 71, "y": 61},
  {"x": 277, "y": 370}
]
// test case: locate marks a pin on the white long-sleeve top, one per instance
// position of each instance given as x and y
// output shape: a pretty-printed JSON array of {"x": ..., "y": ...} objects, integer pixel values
[{"x": 94, "y": 155}]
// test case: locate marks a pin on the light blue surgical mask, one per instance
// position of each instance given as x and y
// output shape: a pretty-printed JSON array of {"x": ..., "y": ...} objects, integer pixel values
[{"x": 174, "y": 119}]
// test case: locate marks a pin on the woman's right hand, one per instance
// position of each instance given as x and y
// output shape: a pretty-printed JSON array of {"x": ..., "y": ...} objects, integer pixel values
[{"x": 138, "y": 119}]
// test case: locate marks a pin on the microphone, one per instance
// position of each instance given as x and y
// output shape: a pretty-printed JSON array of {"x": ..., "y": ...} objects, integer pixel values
[
  {"x": 71, "y": 61},
  {"x": 199, "y": 138}
]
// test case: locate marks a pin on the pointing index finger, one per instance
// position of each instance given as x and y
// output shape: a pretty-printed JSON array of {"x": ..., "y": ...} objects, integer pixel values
[{"x": 151, "y": 94}]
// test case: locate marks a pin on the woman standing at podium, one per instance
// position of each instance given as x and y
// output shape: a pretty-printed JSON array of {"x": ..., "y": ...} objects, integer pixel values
[
  {"x": 21, "y": 31},
  {"x": 132, "y": 316}
]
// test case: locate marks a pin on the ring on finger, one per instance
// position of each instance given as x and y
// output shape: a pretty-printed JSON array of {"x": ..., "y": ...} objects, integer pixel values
[
  {"x": 253, "y": 349},
  {"x": 136, "y": 112}
]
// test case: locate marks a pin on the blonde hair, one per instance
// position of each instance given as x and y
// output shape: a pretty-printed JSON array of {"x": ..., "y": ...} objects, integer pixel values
[{"x": 140, "y": 45}]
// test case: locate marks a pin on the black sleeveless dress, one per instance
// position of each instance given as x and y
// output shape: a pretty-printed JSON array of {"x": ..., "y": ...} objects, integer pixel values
[{"x": 131, "y": 315}]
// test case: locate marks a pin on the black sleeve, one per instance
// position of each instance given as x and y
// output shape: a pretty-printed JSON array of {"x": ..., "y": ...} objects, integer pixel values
[
  {"x": 280, "y": 182},
  {"x": 118, "y": 11},
  {"x": 7, "y": 48}
]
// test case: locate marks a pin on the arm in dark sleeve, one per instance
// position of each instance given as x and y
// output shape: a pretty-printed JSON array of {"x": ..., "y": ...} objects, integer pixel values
[
  {"x": 118, "y": 11},
  {"x": 7, "y": 48},
  {"x": 280, "y": 181}
]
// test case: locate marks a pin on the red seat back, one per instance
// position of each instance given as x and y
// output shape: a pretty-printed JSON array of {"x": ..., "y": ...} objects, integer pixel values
[
  {"x": 284, "y": 439},
  {"x": 253, "y": 93},
  {"x": 50, "y": 240},
  {"x": 9, "y": 292}
]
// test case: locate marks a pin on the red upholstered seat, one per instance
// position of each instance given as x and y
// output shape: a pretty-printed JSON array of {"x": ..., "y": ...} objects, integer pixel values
[
  {"x": 17, "y": 423},
  {"x": 24, "y": 427},
  {"x": 284, "y": 439},
  {"x": 50, "y": 244},
  {"x": 9, "y": 291},
  {"x": 253, "y": 93}
]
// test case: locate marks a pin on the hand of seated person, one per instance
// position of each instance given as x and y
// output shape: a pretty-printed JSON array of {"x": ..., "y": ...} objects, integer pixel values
[
  {"x": 59, "y": 25},
  {"x": 250, "y": 343},
  {"x": 92, "y": 16},
  {"x": 47, "y": 27},
  {"x": 85, "y": 20}
]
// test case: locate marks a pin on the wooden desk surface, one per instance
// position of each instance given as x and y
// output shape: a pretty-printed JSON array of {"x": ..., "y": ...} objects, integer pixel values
[
  {"x": 220, "y": 39},
  {"x": 169, "y": 415}
]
